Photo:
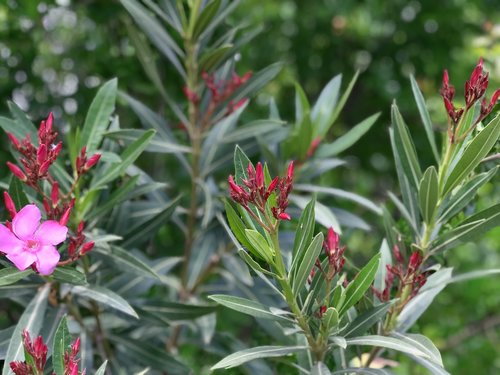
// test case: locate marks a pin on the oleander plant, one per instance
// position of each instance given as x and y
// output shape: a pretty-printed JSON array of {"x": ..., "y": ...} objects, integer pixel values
[{"x": 202, "y": 239}]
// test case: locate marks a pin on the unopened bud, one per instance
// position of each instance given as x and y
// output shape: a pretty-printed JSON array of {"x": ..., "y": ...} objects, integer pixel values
[
  {"x": 44, "y": 167},
  {"x": 9, "y": 204},
  {"x": 14, "y": 140},
  {"x": 86, "y": 247},
  {"x": 48, "y": 123},
  {"x": 41, "y": 154},
  {"x": 290, "y": 171},
  {"x": 65, "y": 216},
  {"x": 16, "y": 171},
  {"x": 92, "y": 161},
  {"x": 284, "y": 216},
  {"x": 54, "y": 195},
  {"x": 259, "y": 175}
]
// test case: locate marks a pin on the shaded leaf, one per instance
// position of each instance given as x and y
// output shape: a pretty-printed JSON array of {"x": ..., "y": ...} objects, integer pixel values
[
  {"x": 62, "y": 341},
  {"x": 247, "y": 306},
  {"x": 428, "y": 194},
  {"x": 105, "y": 297}
]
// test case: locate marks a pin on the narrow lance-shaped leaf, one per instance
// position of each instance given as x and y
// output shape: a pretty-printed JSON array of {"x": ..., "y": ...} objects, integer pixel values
[
  {"x": 357, "y": 288},
  {"x": 105, "y": 297},
  {"x": 246, "y": 355},
  {"x": 428, "y": 194},
  {"x": 348, "y": 139},
  {"x": 478, "y": 148},
  {"x": 129, "y": 155},
  {"x": 11, "y": 275},
  {"x": 62, "y": 341},
  {"x": 98, "y": 116},
  {"x": 322, "y": 110},
  {"x": 405, "y": 148},
  {"x": 246, "y": 306},
  {"x": 424, "y": 115},
  {"x": 389, "y": 343},
  {"x": 31, "y": 320},
  {"x": 308, "y": 260}
]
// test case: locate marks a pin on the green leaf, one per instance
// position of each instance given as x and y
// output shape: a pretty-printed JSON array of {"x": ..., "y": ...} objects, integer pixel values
[
  {"x": 320, "y": 369},
  {"x": 330, "y": 319},
  {"x": 129, "y": 155},
  {"x": 62, "y": 341},
  {"x": 365, "y": 321},
  {"x": 156, "y": 33},
  {"x": 23, "y": 123},
  {"x": 248, "y": 307},
  {"x": 424, "y": 115},
  {"x": 304, "y": 234},
  {"x": 69, "y": 275},
  {"x": 219, "y": 18},
  {"x": 260, "y": 245},
  {"x": 428, "y": 194},
  {"x": 323, "y": 214},
  {"x": 302, "y": 106},
  {"x": 126, "y": 261},
  {"x": 469, "y": 229},
  {"x": 246, "y": 355},
  {"x": 98, "y": 116},
  {"x": 423, "y": 344},
  {"x": 252, "y": 263},
  {"x": 304, "y": 268},
  {"x": 105, "y": 297},
  {"x": 464, "y": 195},
  {"x": 17, "y": 194},
  {"x": 475, "y": 151},
  {"x": 405, "y": 148},
  {"x": 205, "y": 17},
  {"x": 237, "y": 227},
  {"x": 348, "y": 139},
  {"x": 389, "y": 343},
  {"x": 31, "y": 320},
  {"x": 241, "y": 162},
  {"x": 322, "y": 110},
  {"x": 149, "y": 355},
  {"x": 12, "y": 275},
  {"x": 211, "y": 59},
  {"x": 176, "y": 311},
  {"x": 344, "y": 97},
  {"x": 419, "y": 304},
  {"x": 474, "y": 275},
  {"x": 339, "y": 193},
  {"x": 157, "y": 144},
  {"x": 364, "y": 371},
  {"x": 149, "y": 228},
  {"x": 102, "y": 369},
  {"x": 357, "y": 287},
  {"x": 385, "y": 259}
]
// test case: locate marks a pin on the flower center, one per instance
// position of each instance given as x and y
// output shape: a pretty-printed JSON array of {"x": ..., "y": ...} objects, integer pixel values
[{"x": 32, "y": 245}]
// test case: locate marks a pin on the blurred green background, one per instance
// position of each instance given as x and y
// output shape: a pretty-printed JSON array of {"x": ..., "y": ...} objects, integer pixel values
[{"x": 53, "y": 55}]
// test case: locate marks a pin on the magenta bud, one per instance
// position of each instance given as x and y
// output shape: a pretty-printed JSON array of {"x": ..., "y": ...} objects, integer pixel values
[
  {"x": 290, "y": 171},
  {"x": 48, "y": 123},
  {"x": 44, "y": 167},
  {"x": 284, "y": 216},
  {"x": 259, "y": 175},
  {"x": 14, "y": 140},
  {"x": 65, "y": 216},
  {"x": 41, "y": 154},
  {"x": 92, "y": 161},
  {"x": 86, "y": 247},
  {"x": 16, "y": 171},
  {"x": 9, "y": 204},
  {"x": 54, "y": 194}
]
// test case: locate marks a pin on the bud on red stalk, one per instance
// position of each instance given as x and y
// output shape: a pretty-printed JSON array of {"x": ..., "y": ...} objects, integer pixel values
[
  {"x": 41, "y": 154},
  {"x": 48, "y": 123},
  {"x": 44, "y": 167},
  {"x": 284, "y": 216},
  {"x": 46, "y": 205},
  {"x": 92, "y": 161},
  {"x": 86, "y": 247},
  {"x": 16, "y": 171},
  {"x": 65, "y": 217},
  {"x": 290, "y": 171},
  {"x": 259, "y": 175},
  {"x": 13, "y": 140},
  {"x": 57, "y": 150},
  {"x": 54, "y": 195},
  {"x": 9, "y": 204},
  {"x": 397, "y": 254},
  {"x": 415, "y": 262}
]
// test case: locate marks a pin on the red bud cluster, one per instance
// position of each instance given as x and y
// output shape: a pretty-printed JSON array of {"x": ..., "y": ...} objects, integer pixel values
[
  {"x": 37, "y": 350},
  {"x": 475, "y": 89},
  {"x": 255, "y": 192},
  {"x": 335, "y": 256},
  {"x": 77, "y": 246},
  {"x": 409, "y": 277},
  {"x": 83, "y": 164},
  {"x": 36, "y": 160},
  {"x": 70, "y": 360}
]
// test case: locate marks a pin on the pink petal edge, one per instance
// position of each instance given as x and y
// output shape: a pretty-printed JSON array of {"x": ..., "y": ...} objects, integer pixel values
[
  {"x": 26, "y": 222},
  {"x": 50, "y": 232},
  {"x": 47, "y": 258},
  {"x": 9, "y": 243}
]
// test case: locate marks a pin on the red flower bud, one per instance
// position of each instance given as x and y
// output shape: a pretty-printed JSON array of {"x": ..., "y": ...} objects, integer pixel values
[
  {"x": 54, "y": 194},
  {"x": 16, "y": 171},
  {"x": 397, "y": 254},
  {"x": 86, "y": 247},
  {"x": 65, "y": 217},
  {"x": 44, "y": 167},
  {"x": 290, "y": 171},
  {"x": 13, "y": 140},
  {"x": 41, "y": 154},
  {"x": 92, "y": 161},
  {"x": 9, "y": 204},
  {"x": 56, "y": 150},
  {"x": 48, "y": 123},
  {"x": 259, "y": 175},
  {"x": 284, "y": 216},
  {"x": 415, "y": 262},
  {"x": 46, "y": 206}
]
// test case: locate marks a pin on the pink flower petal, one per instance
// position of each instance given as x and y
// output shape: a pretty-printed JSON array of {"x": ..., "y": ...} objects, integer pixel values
[
  {"x": 50, "y": 232},
  {"x": 26, "y": 221},
  {"x": 47, "y": 258},
  {"x": 22, "y": 259},
  {"x": 9, "y": 243}
]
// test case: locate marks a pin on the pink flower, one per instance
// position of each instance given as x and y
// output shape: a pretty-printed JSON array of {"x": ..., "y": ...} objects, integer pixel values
[{"x": 31, "y": 242}]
